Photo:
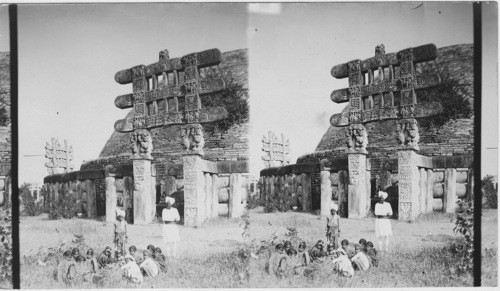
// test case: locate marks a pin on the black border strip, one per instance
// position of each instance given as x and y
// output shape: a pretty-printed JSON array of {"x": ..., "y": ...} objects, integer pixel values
[
  {"x": 477, "y": 18},
  {"x": 16, "y": 277}
]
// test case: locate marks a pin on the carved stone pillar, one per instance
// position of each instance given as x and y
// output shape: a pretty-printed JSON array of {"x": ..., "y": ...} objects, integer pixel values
[
  {"x": 110, "y": 199},
  {"x": 326, "y": 193},
  {"x": 409, "y": 188},
  {"x": 234, "y": 204},
  {"x": 142, "y": 146},
  {"x": 357, "y": 140},
  {"x": 215, "y": 196},
  {"x": 430, "y": 187},
  {"x": 450, "y": 190},
  {"x": 423, "y": 190},
  {"x": 194, "y": 196}
]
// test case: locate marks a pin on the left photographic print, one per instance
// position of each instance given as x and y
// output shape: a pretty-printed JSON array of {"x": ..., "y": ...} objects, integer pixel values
[
  {"x": 134, "y": 121},
  {"x": 5, "y": 153}
]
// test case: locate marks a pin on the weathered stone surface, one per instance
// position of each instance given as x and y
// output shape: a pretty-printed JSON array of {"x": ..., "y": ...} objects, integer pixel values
[
  {"x": 357, "y": 190},
  {"x": 209, "y": 195},
  {"x": 326, "y": 193},
  {"x": 194, "y": 191},
  {"x": 235, "y": 206},
  {"x": 423, "y": 190},
  {"x": 110, "y": 199},
  {"x": 215, "y": 196},
  {"x": 450, "y": 190},
  {"x": 430, "y": 184},
  {"x": 291, "y": 169},
  {"x": 357, "y": 139},
  {"x": 437, "y": 204},
  {"x": 438, "y": 190},
  {"x": 144, "y": 204},
  {"x": 409, "y": 188},
  {"x": 225, "y": 167},
  {"x": 209, "y": 167},
  {"x": 465, "y": 161}
]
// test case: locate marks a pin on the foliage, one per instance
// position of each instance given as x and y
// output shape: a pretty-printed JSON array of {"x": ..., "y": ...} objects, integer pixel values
[
  {"x": 279, "y": 201},
  {"x": 452, "y": 94},
  {"x": 30, "y": 207},
  {"x": 5, "y": 245},
  {"x": 66, "y": 207},
  {"x": 464, "y": 225},
  {"x": 489, "y": 193},
  {"x": 4, "y": 117},
  {"x": 254, "y": 201},
  {"x": 233, "y": 98}
]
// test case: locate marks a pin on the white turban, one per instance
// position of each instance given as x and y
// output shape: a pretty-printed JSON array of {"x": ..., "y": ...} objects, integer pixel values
[
  {"x": 120, "y": 212},
  {"x": 335, "y": 207},
  {"x": 382, "y": 194},
  {"x": 170, "y": 200}
]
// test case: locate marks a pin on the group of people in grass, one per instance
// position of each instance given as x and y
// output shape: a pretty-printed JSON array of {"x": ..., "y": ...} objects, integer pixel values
[
  {"x": 133, "y": 263},
  {"x": 287, "y": 261}
]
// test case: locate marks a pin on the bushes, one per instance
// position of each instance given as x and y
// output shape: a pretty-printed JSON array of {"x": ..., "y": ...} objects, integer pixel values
[
  {"x": 279, "y": 201},
  {"x": 30, "y": 207},
  {"x": 64, "y": 208},
  {"x": 464, "y": 224},
  {"x": 489, "y": 193},
  {"x": 5, "y": 245}
]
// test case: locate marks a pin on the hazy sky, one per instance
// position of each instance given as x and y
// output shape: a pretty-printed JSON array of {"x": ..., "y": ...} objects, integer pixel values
[{"x": 68, "y": 55}]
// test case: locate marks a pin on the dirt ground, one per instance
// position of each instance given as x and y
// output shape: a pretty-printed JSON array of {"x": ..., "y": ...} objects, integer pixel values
[{"x": 224, "y": 234}]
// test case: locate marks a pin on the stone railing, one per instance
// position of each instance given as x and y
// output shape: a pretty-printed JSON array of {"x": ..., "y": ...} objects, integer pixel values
[
  {"x": 96, "y": 191},
  {"x": 297, "y": 179}
]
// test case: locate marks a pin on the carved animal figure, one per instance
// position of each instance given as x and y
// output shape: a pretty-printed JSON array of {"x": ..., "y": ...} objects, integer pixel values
[
  {"x": 380, "y": 49},
  {"x": 407, "y": 133},
  {"x": 142, "y": 143},
  {"x": 360, "y": 137}
]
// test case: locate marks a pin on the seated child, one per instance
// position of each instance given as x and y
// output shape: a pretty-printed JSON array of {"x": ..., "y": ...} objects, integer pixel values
[
  {"x": 131, "y": 270},
  {"x": 288, "y": 263},
  {"x": 75, "y": 253},
  {"x": 105, "y": 259},
  {"x": 303, "y": 254},
  {"x": 64, "y": 274},
  {"x": 347, "y": 249},
  {"x": 317, "y": 251},
  {"x": 275, "y": 260},
  {"x": 371, "y": 253},
  {"x": 93, "y": 265},
  {"x": 149, "y": 266},
  {"x": 342, "y": 265},
  {"x": 137, "y": 255},
  {"x": 362, "y": 242},
  {"x": 360, "y": 260},
  {"x": 160, "y": 260}
]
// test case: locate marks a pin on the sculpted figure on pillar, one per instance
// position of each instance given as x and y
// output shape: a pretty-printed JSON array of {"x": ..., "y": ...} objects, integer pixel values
[
  {"x": 407, "y": 133},
  {"x": 142, "y": 143},
  {"x": 357, "y": 138},
  {"x": 192, "y": 138}
]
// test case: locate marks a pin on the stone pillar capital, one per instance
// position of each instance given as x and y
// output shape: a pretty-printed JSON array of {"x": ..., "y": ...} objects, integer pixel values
[
  {"x": 407, "y": 134},
  {"x": 357, "y": 139}
]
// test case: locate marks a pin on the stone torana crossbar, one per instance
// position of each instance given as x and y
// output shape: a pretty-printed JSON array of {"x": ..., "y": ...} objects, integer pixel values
[
  {"x": 159, "y": 88},
  {"x": 383, "y": 87},
  {"x": 60, "y": 156}
]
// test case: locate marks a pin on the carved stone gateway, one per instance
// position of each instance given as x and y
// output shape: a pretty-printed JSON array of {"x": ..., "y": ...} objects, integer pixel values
[
  {"x": 277, "y": 150},
  {"x": 60, "y": 157},
  {"x": 381, "y": 88},
  {"x": 169, "y": 93}
]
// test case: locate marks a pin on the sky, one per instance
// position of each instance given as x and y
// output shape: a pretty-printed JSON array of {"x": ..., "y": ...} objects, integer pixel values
[{"x": 69, "y": 54}]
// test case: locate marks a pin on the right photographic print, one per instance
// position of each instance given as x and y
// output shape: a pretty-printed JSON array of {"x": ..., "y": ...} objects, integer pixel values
[{"x": 363, "y": 141}]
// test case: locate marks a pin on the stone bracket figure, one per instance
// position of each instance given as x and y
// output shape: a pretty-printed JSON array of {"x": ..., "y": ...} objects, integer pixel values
[
  {"x": 407, "y": 133},
  {"x": 192, "y": 138},
  {"x": 142, "y": 144},
  {"x": 357, "y": 138}
]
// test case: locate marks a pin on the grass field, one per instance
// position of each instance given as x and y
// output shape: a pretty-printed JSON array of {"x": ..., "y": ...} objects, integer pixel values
[{"x": 208, "y": 255}]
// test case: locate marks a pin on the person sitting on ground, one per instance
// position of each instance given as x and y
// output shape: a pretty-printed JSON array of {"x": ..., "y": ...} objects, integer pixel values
[
  {"x": 287, "y": 245},
  {"x": 360, "y": 260},
  {"x": 131, "y": 270},
  {"x": 160, "y": 259},
  {"x": 119, "y": 258},
  {"x": 120, "y": 232},
  {"x": 333, "y": 227},
  {"x": 137, "y": 255},
  {"x": 347, "y": 248},
  {"x": 151, "y": 248},
  {"x": 303, "y": 254},
  {"x": 78, "y": 269},
  {"x": 93, "y": 265},
  {"x": 63, "y": 268},
  {"x": 288, "y": 263},
  {"x": 342, "y": 265},
  {"x": 317, "y": 251},
  {"x": 362, "y": 243},
  {"x": 149, "y": 266},
  {"x": 75, "y": 253},
  {"x": 275, "y": 259},
  {"x": 105, "y": 259},
  {"x": 371, "y": 253}
]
